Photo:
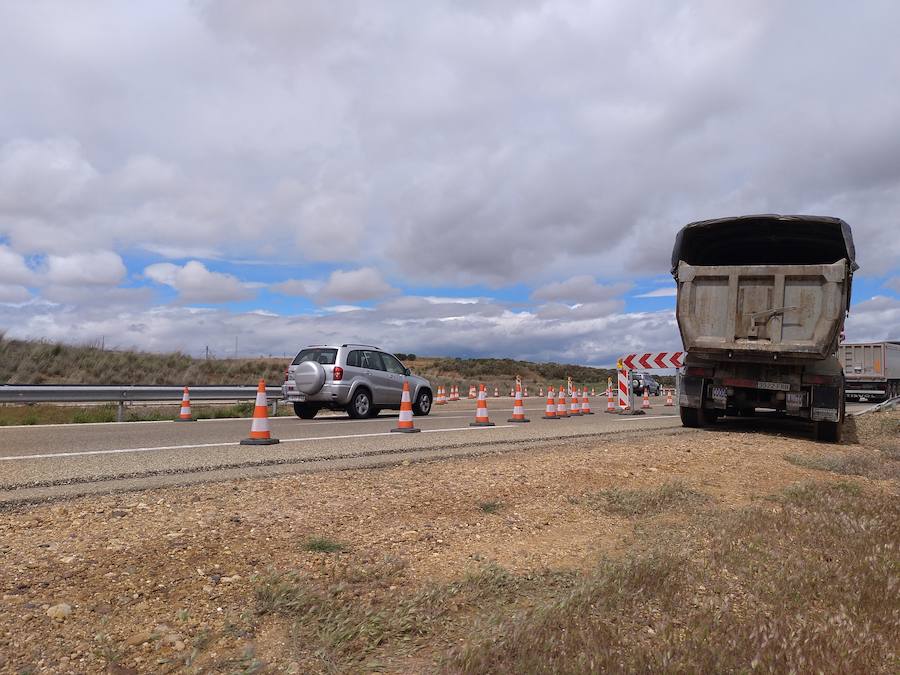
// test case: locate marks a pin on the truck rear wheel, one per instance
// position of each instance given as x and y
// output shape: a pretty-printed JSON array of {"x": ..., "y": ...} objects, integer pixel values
[
  {"x": 696, "y": 418},
  {"x": 828, "y": 432}
]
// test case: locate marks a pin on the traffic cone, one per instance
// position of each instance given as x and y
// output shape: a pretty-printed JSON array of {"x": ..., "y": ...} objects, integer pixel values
[
  {"x": 512, "y": 393},
  {"x": 441, "y": 398},
  {"x": 551, "y": 405},
  {"x": 585, "y": 403},
  {"x": 669, "y": 401},
  {"x": 481, "y": 412},
  {"x": 405, "y": 421},
  {"x": 472, "y": 391},
  {"x": 525, "y": 392},
  {"x": 518, "y": 408},
  {"x": 592, "y": 392},
  {"x": 646, "y": 402},
  {"x": 541, "y": 392},
  {"x": 454, "y": 393},
  {"x": 610, "y": 400},
  {"x": 259, "y": 428},
  {"x": 561, "y": 411},
  {"x": 185, "y": 414},
  {"x": 496, "y": 392},
  {"x": 574, "y": 403}
]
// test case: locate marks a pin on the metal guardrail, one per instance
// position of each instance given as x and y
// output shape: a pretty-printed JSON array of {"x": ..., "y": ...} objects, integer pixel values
[
  {"x": 52, "y": 393},
  {"x": 887, "y": 404}
]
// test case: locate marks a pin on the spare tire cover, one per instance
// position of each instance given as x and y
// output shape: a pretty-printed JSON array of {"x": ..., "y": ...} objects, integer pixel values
[{"x": 309, "y": 376}]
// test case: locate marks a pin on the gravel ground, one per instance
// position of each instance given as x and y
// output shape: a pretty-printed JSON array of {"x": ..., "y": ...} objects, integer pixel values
[{"x": 164, "y": 580}]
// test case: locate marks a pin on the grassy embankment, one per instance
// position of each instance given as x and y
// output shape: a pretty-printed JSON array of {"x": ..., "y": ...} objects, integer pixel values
[{"x": 37, "y": 362}]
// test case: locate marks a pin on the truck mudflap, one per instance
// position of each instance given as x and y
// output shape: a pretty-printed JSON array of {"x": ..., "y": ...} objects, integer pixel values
[
  {"x": 691, "y": 392},
  {"x": 826, "y": 404}
]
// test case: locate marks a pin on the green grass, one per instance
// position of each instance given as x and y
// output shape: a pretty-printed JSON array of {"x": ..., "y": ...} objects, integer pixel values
[
  {"x": 490, "y": 507},
  {"x": 323, "y": 545},
  {"x": 672, "y": 496}
]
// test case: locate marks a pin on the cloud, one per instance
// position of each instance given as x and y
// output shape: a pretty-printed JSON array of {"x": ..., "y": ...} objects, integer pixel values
[
  {"x": 195, "y": 283},
  {"x": 365, "y": 283},
  {"x": 893, "y": 284},
  {"x": 11, "y": 293},
  {"x": 13, "y": 269},
  {"x": 582, "y": 288},
  {"x": 669, "y": 292},
  {"x": 100, "y": 268},
  {"x": 874, "y": 320},
  {"x": 298, "y": 287}
]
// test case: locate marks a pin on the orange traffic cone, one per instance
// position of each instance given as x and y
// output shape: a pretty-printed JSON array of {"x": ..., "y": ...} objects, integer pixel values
[
  {"x": 518, "y": 408},
  {"x": 441, "y": 398},
  {"x": 472, "y": 391},
  {"x": 454, "y": 393},
  {"x": 541, "y": 392},
  {"x": 551, "y": 405},
  {"x": 561, "y": 411},
  {"x": 185, "y": 414},
  {"x": 574, "y": 405},
  {"x": 646, "y": 402},
  {"x": 669, "y": 401},
  {"x": 259, "y": 428},
  {"x": 525, "y": 392},
  {"x": 610, "y": 401},
  {"x": 405, "y": 422},
  {"x": 496, "y": 392},
  {"x": 585, "y": 403},
  {"x": 592, "y": 392},
  {"x": 481, "y": 413}
]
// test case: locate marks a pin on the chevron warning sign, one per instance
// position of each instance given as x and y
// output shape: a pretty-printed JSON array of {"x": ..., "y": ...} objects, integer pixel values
[{"x": 653, "y": 360}]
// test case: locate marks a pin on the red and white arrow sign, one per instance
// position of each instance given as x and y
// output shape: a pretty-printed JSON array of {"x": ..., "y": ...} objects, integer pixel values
[{"x": 653, "y": 360}]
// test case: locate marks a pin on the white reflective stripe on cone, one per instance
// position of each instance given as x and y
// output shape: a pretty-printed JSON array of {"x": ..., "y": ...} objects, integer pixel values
[{"x": 259, "y": 424}]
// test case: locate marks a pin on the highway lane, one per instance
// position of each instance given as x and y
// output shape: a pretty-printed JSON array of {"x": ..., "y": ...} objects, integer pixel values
[{"x": 68, "y": 456}]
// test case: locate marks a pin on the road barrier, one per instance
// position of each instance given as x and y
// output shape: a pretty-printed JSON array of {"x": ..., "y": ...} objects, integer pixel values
[{"x": 122, "y": 394}]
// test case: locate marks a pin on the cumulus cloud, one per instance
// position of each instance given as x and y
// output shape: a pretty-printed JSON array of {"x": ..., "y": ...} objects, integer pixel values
[
  {"x": 13, "y": 293},
  {"x": 298, "y": 287},
  {"x": 668, "y": 292},
  {"x": 365, "y": 283},
  {"x": 195, "y": 283},
  {"x": 13, "y": 269},
  {"x": 100, "y": 268},
  {"x": 579, "y": 289},
  {"x": 874, "y": 320},
  {"x": 893, "y": 284}
]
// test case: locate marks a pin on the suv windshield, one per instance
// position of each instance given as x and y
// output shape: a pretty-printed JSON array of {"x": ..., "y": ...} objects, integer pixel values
[{"x": 324, "y": 356}]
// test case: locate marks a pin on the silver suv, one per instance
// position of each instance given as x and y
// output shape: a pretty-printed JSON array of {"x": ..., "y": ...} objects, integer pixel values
[
  {"x": 641, "y": 380},
  {"x": 360, "y": 379}
]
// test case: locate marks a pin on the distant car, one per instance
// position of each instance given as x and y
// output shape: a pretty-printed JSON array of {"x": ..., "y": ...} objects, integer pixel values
[
  {"x": 359, "y": 379},
  {"x": 641, "y": 380}
]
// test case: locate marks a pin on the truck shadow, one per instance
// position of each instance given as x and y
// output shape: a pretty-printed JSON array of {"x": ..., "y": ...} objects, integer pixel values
[{"x": 773, "y": 424}]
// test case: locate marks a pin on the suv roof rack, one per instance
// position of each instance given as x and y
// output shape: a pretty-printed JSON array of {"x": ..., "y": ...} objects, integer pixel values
[{"x": 357, "y": 344}]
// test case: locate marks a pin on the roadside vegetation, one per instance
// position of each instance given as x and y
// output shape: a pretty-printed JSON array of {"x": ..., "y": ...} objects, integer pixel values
[{"x": 14, "y": 415}]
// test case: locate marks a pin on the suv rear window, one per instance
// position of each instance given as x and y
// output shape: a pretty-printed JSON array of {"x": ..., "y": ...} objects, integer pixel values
[{"x": 324, "y": 356}]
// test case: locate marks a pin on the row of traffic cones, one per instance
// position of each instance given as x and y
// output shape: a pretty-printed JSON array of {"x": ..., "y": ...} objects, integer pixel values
[{"x": 578, "y": 405}]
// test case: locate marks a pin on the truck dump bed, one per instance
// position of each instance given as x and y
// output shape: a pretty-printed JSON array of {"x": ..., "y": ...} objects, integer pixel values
[
  {"x": 870, "y": 361},
  {"x": 756, "y": 287}
]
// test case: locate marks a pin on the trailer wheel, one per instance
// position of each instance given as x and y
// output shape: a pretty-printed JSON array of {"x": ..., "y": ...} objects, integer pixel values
[
  {"x": 828, "y": 432},
  {"x": 695, "y": 418}
]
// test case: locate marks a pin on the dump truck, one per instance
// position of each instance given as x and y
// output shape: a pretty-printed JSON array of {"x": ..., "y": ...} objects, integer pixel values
[
  {"x": 761, "y": 306},
  {"x": 871, "y": 370}
]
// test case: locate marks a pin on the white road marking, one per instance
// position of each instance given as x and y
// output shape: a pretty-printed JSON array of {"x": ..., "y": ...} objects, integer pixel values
[
  {"x": 631, "y": 418},
  {"x": 120, "y": 451}
]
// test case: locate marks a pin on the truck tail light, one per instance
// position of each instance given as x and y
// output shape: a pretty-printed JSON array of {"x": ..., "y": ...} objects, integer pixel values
[
  {"x": 337, "y": 374},
  {"x": 695, "y": 371},
  {"x": 818, "y": 379}
]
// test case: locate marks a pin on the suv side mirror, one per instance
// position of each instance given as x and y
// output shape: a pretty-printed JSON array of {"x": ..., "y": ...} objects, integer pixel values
[{"x": 407, "y": 372}]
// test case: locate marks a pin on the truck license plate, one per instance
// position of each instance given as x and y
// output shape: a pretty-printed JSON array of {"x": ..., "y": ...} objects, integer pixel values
[{"x": 777, "y": 386}]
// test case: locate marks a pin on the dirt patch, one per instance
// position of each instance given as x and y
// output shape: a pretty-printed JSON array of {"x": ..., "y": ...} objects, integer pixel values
[{"x": 388, "y": 569}]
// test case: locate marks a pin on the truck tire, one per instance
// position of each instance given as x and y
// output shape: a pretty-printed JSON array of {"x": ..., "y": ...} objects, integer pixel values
[
  {"x": 828, "y": 432},
  {"x": 696, "y": 418},
  {"x": 305, "y": 411}
]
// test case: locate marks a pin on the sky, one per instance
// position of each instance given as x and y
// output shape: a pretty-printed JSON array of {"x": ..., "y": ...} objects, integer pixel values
[{"x": 464, "y": 178}]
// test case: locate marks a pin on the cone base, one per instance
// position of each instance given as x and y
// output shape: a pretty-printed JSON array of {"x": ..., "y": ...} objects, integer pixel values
[
  {"x": 587, "y": 413},
  {"x": 259, "y": 441},
  {"x": 482, "y": 424},
  {"x": 571, "y": 414},
  {"x": 547, "y": 417},
  {"x": 406, "y": 431},
  {"x": 181, "y": 419},
  {"x": 517, "y": 421}
]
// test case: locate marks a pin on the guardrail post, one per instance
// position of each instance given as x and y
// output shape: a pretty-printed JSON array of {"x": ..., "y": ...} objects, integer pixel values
[
  {"x": 120, "y": 412},
  {"x": 274, "y": 407}
]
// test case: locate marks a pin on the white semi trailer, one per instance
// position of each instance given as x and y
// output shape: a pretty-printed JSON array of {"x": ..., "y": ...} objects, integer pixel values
[
  {"x": 871, "y": 370},
  {"x": 761, "y": 306}
]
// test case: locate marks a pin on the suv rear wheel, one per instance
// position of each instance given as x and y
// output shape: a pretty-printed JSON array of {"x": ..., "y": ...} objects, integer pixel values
[
  {"x": 305, "y": 411},
  {"x": 361, "y": 404}
]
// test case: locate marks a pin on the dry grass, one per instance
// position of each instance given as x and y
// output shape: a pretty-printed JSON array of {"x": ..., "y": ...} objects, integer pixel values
[
  {"x": 879, "y": 465},
  {"x": 811, "y": 585},
  {"x": 671, "y": 496},
  {"x": 64, "y": 414}
]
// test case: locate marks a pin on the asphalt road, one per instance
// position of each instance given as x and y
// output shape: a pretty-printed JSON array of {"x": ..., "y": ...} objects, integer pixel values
[{"x": 59, "y": 460}]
